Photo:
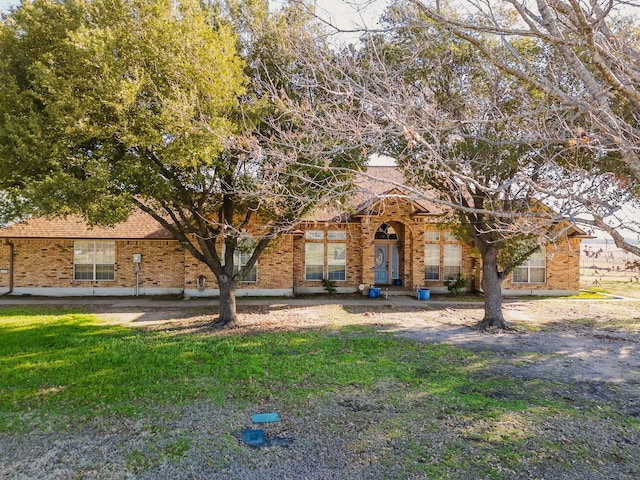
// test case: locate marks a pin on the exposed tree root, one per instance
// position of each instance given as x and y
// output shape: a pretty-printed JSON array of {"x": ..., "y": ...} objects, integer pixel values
[
  {"x": 221, "y": 322},
  {"x": 492, "y": 325}
]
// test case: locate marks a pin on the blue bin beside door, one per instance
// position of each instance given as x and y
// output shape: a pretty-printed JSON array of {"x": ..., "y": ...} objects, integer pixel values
[
  {"x": 374, "y": 292},
  {"x": 424, "y": 294}
]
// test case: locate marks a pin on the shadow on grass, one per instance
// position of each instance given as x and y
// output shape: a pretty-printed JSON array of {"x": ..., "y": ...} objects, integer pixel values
[
  {"x": 428, "y": 411},
  {"x": 66, "y": 364}
]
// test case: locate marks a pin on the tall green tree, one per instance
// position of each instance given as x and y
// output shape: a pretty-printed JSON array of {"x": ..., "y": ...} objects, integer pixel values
[{"x": 106, "y": 106}]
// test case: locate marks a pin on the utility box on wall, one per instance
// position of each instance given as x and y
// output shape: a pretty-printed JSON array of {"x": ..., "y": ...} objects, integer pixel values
[{"x": 137, "y": 257}]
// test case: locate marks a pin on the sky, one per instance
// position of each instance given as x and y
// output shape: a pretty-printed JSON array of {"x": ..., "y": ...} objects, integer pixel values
[
  {"x": 5, "y": 4},
  {"x": 340, "y": 11}
]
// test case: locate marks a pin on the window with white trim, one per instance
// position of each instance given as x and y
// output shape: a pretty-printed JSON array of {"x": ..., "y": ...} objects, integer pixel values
[
  {"x": 432, "y": 261},
  {"x": 449, "y": 237},
  {"x": 337, "y": 261},
  {"x": 94, "y": 260},
  {"x": 313, "y": 261},
  {"x": 325, "y": 260},
  {"x": 534, "y": 270},
  {"x": 442, "y": 256},
  {"x": 432, "y": 236},
  {"x": 452, "y": 260},
  {"x": 314, "y": 235},
  {"x": 240, "y": 259},
  {"x": 336, "y": 235}
]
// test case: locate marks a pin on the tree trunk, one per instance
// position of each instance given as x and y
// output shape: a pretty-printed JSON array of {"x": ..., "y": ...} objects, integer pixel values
[
  {"x": 228, "y": 316},
  {"x": 492, "y": 287}
]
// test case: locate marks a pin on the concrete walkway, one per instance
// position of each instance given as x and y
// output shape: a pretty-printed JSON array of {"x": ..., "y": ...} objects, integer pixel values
[{"x": 163, "y": 302}]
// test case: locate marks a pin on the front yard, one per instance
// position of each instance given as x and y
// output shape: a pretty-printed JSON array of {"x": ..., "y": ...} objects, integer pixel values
[{"x": 367, "y": 393}]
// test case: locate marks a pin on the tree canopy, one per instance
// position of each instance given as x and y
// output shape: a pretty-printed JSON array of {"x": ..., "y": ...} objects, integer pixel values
[
  {"x": 154, "y": 104},
  {"x": 581, "y": 59},
  {"x": 455, "y": 125}
]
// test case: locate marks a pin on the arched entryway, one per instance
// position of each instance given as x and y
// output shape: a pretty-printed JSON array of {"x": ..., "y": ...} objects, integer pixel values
[{"x": 386, "y": 254}]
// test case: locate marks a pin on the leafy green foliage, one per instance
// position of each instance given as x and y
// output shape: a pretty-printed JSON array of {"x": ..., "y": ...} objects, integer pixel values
[
  {"x": 456, "y": 285},
  {"x": 108, "y": 106},
  {"x": 330, "y": 286},
  {"x": 120, "y": 97}
]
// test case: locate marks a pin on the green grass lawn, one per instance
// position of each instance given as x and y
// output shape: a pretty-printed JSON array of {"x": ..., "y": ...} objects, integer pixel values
[
  {"x": 60, "y": 369},
  {"x": 67, "y": 364},
  {"x": 629, "y": 289}
]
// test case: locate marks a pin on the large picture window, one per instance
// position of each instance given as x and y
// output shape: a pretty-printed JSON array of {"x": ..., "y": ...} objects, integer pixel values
[
  {"x": 534, "y": 270},
  {"x": 442, "y": 256},
  {"x": 94, "y": 260},
  {"x": 325, "y": 260}
]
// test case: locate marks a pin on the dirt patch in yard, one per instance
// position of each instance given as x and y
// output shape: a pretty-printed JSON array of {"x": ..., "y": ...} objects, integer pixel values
[
  {"x": 576, "y": 340},
  {"x": 587, "y": 353},
  {"x": 583, "y": 342}
]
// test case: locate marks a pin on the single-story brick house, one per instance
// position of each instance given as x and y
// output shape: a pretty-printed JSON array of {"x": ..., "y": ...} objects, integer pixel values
[{"x": 387, "y": 240}]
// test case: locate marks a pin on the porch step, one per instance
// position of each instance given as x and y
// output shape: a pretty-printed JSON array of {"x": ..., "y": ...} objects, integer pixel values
[{"x": 391, "y": 290}]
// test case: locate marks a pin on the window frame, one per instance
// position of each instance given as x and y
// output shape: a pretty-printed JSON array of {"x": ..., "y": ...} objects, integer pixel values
[
  {"x": 89, "y": 249},
  {"x": 319, "y": 247},
  {"x": 317, "y": 235},
  {"x": 430, "y": 246},
  {"x": 448, "y": 259},
  {"x": 319, "y": 253},
  {"x": 238, "y": 263},
  {"x": 442, "y": 241},
  {"x": 341, "y": 261},
  {"x": 527, "y": 267}
]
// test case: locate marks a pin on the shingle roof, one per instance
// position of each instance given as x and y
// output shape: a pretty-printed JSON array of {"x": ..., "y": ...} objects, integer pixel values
[
  {"x": 138, "y": 226},
  {"x": 382, "y": 183},
  {"x": 371, "y": 188}
]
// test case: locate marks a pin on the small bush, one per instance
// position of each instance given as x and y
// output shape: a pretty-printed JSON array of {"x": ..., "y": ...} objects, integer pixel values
[
  {"x": 456, "y": 285},
  {"x": 330, "y": 286}
]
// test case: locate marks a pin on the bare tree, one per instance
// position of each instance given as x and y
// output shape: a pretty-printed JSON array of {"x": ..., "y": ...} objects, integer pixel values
[
  {"x": 456, "y": 127},
  {"x": 582, "y": 58}
]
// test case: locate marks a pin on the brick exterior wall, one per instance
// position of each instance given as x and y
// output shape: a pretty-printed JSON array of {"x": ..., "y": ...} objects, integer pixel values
[
  {"x": 162, "y": 264},
  {"x": 361, "y": 241},
  {"x": 275, "y": 268},
  {"x": 353, "y": 252},
  {"x": 5, "y": 266},
  {"x": 563, "y": 269},
  {"x": 40, "y": 263}
]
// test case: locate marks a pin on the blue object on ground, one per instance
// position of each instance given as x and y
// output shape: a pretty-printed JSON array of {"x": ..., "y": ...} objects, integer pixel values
[
  {"x": 424, "y": 294},
  {"x": 374, "y": 292},
  {"x": 255, "y": 438},
  {"x": 265, "y": 417}
]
